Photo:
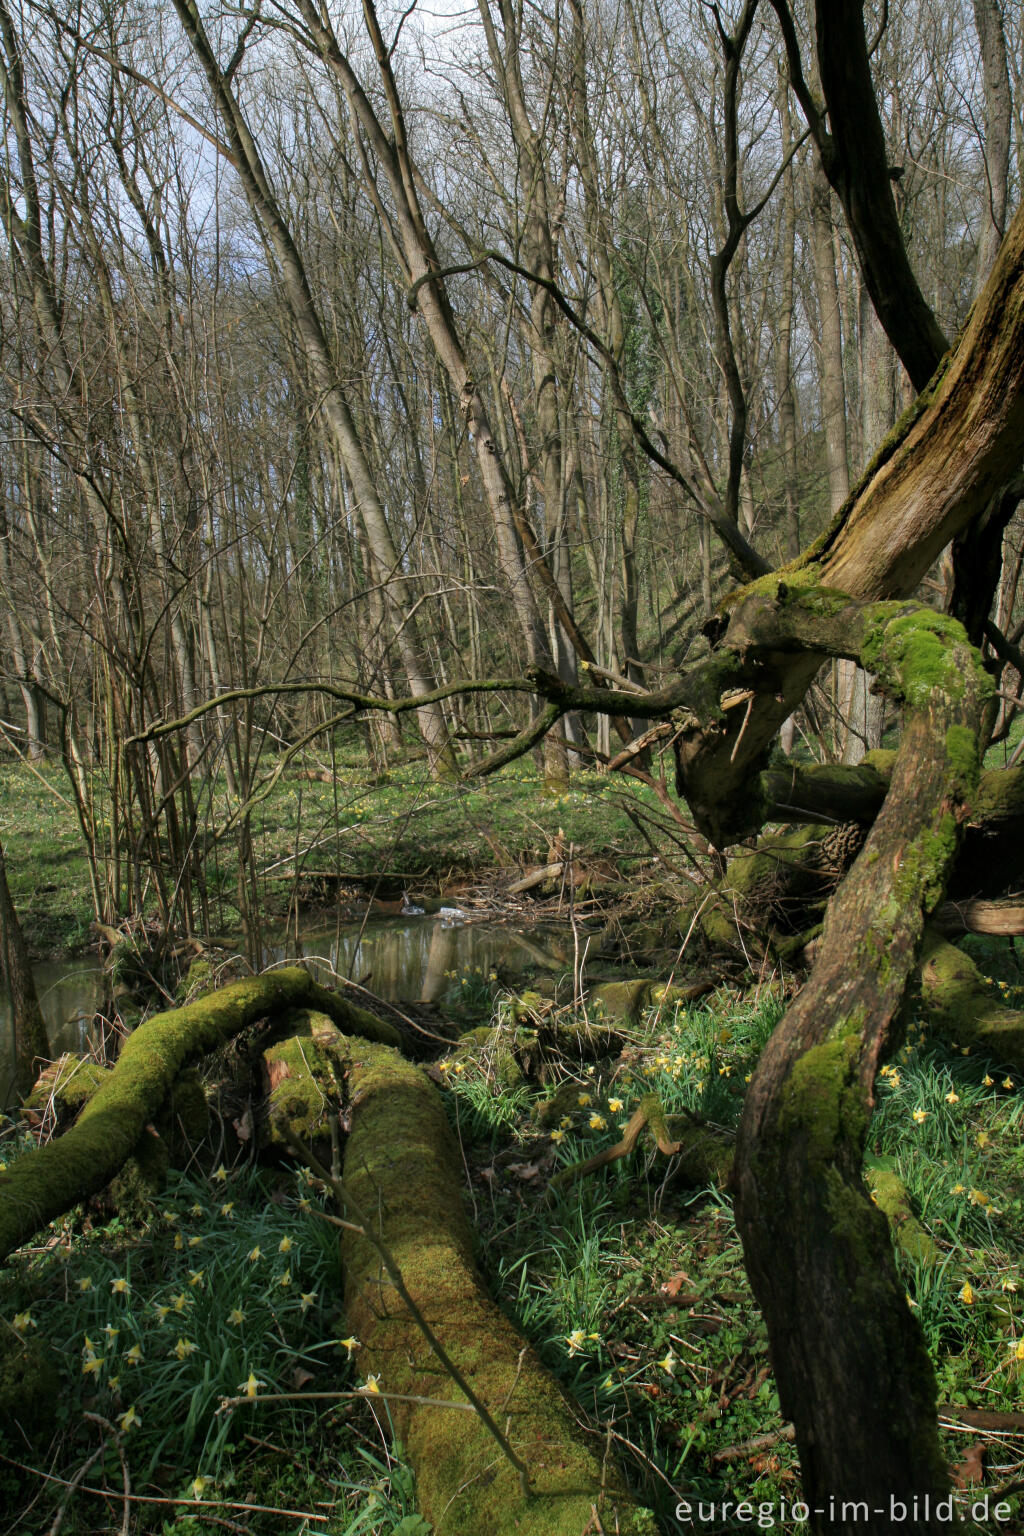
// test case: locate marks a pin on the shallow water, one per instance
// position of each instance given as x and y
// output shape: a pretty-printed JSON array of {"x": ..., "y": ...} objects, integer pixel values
[{"x": 401, "y": 959}]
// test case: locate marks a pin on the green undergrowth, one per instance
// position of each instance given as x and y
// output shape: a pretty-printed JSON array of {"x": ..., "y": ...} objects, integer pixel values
[
  {"x": 402, "y": 827},
  {"x": 228, "y": 1287},
  {"x": 633, "y": 1287}
]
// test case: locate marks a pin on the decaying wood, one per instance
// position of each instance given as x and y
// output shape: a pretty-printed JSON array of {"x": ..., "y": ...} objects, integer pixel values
[
  {"x": 862, "y": 1397},
  {"x": 48, "y": 1180}
]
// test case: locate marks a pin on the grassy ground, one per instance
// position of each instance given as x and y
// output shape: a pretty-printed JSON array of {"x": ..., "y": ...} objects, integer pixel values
[
  {"x": 404, "y": 828},
  {"x": 630, "y": 1285}
]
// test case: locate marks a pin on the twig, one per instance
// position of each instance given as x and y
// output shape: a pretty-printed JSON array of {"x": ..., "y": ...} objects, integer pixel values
[
  {"x": 752, "y": 1447},
  {"x": 345, "y": 1199}
]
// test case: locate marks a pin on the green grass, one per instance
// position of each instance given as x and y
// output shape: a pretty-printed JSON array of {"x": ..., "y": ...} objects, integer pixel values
[
  {"x": 633, "y": 1288},
  {"x": 229, "y": 1285},
  {"x": 405, "y": 829}
]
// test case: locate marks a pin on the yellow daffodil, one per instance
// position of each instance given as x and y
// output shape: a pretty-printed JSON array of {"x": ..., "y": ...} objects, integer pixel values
[
  {"x": 236, "y": 1317},
  {"x": 113, "y": 1383},
  {"x": 1009, "y": 1285},
  {"x": 668, "y": 1365},
  {"x": 161, "y": 1312},
  {"x": 198, "y": 1484},
  {"x": 180, "y": 1302},
  {"x": 253, "y": 1254},
  {"x": 978, "y": 1197},
  {"x": 575, "y": 1341},
  {"x": 598, "y": 1123},
  {"x": 1019, "y": 1351},
  {"x": 305, "y": 1204},
  {"x": 373, "y": 1384},
  {"x": 120, "y": 1286},
  {"x": 920, "y": 1116},
  {"x": 958, "y": 1189},
  {"x": 557, "y": 1136},
  {"x": 227, "y": 1208},
  {"x": 966, "y": 1294},
  {"x": 952, "y": 1097},
  {"x": 983, "y": 1138},
  {"x": 179, "y": 1242},
  {"x": 111, "y": 1332},
  {"x": 564, "y": 1123},
  {"x": 285, "y": 1279},
  {"x": 285, "y": 1245},
  {"x": 251, "y": 1386},
  {"x": 133, "y": 1356},
  {"x": 196, "y": 1241},
  {"x": 987, "y": 1080},
  {"x": 170, "y": 1216},
  {"x": 184, "y": 1348},
  {"x": 583, "y": 1099},
  {"x": 195, "y": 1276},
  {"x": 1007, "y": 1083},
  {"x": 615, "y": 1105},
  {"x": 23, "y": 1321},
  {"x": 459, "y": 1068},
  {"x": 306, "y": 1299},
  {"x": 220, "y": 1174},
  {"x": 85, "y": 1284},
  {"x": 196, "y": 1209},
  {"x": 92, "y": 1365},
  {"x": 129, "y": 1418},
  {"x": 910, "y": 1300}
]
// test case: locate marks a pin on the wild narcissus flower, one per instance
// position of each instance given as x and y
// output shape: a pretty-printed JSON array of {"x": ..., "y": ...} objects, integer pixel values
[
  {"x": 184, "y": 1348},
  {"x": 23, "y": 1321},
  {"x": 251, "y": 1386},
  {"x": 195, "y": 1276},
  {"x": 583, "y": 1099},
  {"x": 227, "y": 1209},
  {"x": 306, "y": 1300},
  {"x": 195, "y": 1241},
  {"x": 350, "y": 1344},
  {"x": 967, "y": 1295},
  {"x": 920, "y": 1116},
  {"x": 285, "y": 1245},
  {"x": 952, "y": 1097},
  {"x": 575, "y": 1340},
  {"x": 557, "y": 1136},
  {"x": 286, "y": 1278},
  {"x": 111, "y": 1332},
  {"x": 161, "y": 1311},
  {"x": 220, "y": 1174},
  {"x": 120, "y": 1286},
  {"x": 373, "y": 1384},
  {"x": 133, "y": 1356},
  {"x": 85, "y": 1284},
  {"x": 180, "y": 1302},
  {"x": 236, "y": 1317},
  {"x": 615, "y": 1105},
  {"x": 198, "y": 1484},
  {"x": 1007, "y": 1082},
  {"x": 598, "y": 1123},
  {"x": 92, "y": 1365},
  {"x": 668, "y": 1365},
  {"x": 129, "y": 1418},
  {"x": 253, "y": 1254}
]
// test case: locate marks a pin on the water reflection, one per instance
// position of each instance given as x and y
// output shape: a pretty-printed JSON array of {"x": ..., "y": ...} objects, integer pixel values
[
  {"x": 401, "y": 959},
  {"x": 68, "y": 991},
  {"x": 405, "y": 959}
]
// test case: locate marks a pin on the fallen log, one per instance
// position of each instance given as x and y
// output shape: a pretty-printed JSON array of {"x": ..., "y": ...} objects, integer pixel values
[
  {"x": 401, "y": 1161},
  {"x": 45, "y": 1182},
  {"x": 958, "y": 1000}
]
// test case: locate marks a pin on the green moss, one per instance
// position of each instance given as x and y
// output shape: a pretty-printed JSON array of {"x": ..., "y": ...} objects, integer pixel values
[
  {"x": 620, "y": 1001},
  {"x": 464, "y": 1483},
  {"x": 822, "y": 1102}
]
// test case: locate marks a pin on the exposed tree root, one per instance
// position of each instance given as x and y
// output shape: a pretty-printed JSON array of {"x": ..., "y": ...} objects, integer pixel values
[
  {"x": 705, "y": 1156},
  {"x": 402, "y": 1163},
  {"x": 48, "y": 1180},
  {"x": 964, "y": 1007},
  {"x": 889, "y": 1193}
]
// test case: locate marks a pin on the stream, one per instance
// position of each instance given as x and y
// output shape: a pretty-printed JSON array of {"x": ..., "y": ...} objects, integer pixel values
[{"x": 400, "y": 959}]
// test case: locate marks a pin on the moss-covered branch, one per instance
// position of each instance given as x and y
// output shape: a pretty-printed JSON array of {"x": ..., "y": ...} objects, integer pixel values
[
  {"x": 960, "y": 1003},
  {"x": 45, "y": 1182},
  {"x": 401, "y": 1162}
]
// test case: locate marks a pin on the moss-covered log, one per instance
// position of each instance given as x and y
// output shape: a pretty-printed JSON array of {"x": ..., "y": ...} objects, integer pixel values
[
  {"x": 862, "y": 1397},
  {"x": 45, "y": 1182},
  {"x": 889, "y": 1193},
  {"x": 401, "y": 1161},
  {"x": 958, "y": 1001}
]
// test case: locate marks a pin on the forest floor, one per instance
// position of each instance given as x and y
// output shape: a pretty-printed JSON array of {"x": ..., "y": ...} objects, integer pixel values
[
  {"x": 630, "y": 1285},
  {"x": 398, "y": 831}
]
